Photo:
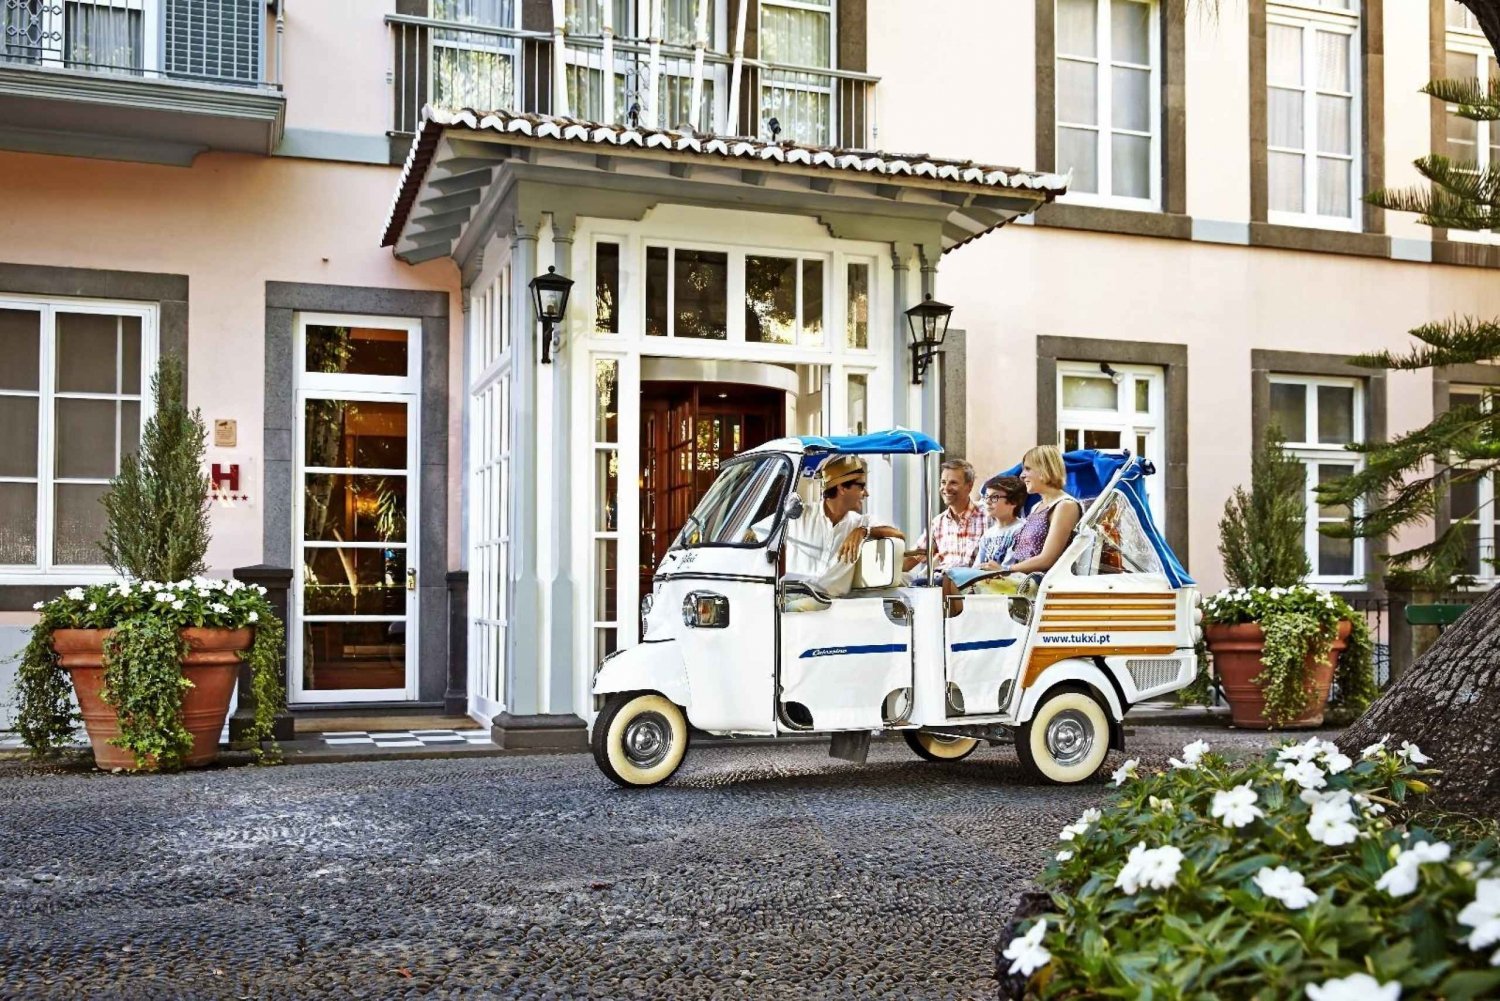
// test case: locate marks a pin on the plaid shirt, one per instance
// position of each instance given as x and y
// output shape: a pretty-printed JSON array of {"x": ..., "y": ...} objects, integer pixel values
[{"x": 955, "y": 540}]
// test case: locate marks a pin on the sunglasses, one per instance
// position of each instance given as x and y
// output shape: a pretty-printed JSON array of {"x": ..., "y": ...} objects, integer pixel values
[{"x": 856, "y": 485}]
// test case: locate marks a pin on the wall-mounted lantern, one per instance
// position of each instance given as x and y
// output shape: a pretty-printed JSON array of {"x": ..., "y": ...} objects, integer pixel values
[
  {"x": 549, "y": 296},
  {"x": 929, "y": 325}
]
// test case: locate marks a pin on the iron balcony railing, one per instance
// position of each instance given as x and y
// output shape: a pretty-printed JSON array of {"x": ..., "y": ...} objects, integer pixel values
[
  {"x": 204, "y": 41},
  {"x": 623, "y": 81}
]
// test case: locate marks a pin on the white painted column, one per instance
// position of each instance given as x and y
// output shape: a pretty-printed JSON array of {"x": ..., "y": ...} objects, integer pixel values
[
  {"x": 901, "y": 373},
  {"x": 560, "y": 684},
  {"x": 607, "y": 9},
  {"x": 700, "y": 42},
  {"x": 523, "y": 642},
  {"x": 650, "y": 113},
  {"x": 560, "y": 105},
  {"x": 732, "y": 110}
]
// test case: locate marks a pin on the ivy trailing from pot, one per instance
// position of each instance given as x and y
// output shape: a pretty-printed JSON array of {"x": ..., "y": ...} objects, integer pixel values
[{"x": 154, "y": 658}]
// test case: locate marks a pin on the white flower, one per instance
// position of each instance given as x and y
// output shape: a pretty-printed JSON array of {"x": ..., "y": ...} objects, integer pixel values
[
  {"x": 177, "y": 605},
  {"x": 1125, "y": 771},
  {"x": 1332, "y": 820},
  {"x": 1027, "y": 954},
  {"x": 75, "y": 593},
  {"x": 1368, "y": 806},
  {"x": 253, "y": 616},
  {"x": 1305, "y": 773},
  {"x": 1375, "y": 750},
  {"x": 1305, "y": 751},
  {"x": 1286, "y": 886},
  {"x": 1355, "y": 987},
  {"x": 163, "y": 596},
  {"x": 1064, "y": 856},
  {"x": 219, "y": 608},
  {"x": 1411, "y": 752},
  {"x": 259, "y": 589},
  {"x": 93, "y": 606},
  {"x": 1191, "y": 755},
  {"x": 1090, "y": 816},
  {"x": 39, "y": 606},
  {"x": 1335, "y": 760},
  {"x": 1163, "y": 805},
  {"x": 1483, "y": 915},
  {"x": 1236, "y": 807},
  {"x": 1149, "y": 867},
  {"x": 1400, "y": 880}
]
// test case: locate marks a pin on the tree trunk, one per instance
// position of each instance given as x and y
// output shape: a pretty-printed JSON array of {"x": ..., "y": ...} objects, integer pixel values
[
  {"x": 1449, "y": 705},
  {"x": 1487, "y": 12}
]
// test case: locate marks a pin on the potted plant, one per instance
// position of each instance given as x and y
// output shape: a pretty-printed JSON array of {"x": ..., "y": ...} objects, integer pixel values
[
  {"x": 152, "y": 658},
  {"x": 1275, "y": 641}
]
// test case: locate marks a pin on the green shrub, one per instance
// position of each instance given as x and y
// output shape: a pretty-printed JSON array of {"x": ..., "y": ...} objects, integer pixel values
[
  {"x": 1262, "y": 531},
  {"x": 1261, "y": 879}
]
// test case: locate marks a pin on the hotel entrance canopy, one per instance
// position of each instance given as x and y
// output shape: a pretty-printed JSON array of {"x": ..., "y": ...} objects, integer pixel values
[{"x": 450, "y": 180}]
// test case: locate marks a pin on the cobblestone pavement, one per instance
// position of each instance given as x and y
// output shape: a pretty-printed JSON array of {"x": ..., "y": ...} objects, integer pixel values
[{"x": 760, "y": 872}]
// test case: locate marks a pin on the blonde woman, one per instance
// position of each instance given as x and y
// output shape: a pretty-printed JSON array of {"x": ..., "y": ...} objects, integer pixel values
[{"x": 1050, "y": 524}]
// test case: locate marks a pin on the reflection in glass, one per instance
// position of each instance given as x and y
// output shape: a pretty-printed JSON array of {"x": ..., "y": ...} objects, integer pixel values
[
  {"x": 90, "y": 347},
  {"x": 771, "y": 300},
  {"x": 1335, "y": 556},
  {"x": 656, "y": 291},
  {"x": 700, "y": 290},
  {"x": 18, "y": 435},
  {"x": 857, "y": 317},
  {"x": 345, "y": 507},
  {"x": 1289, "y": 410},
  {"x": 85, "y": 447},
  {"x": 859, "y": 403},
  {"x": 607, "y": 288},
  {"x": 356, "y": 434},
  {"x": 1142, "y": 396},
  {"x": 606, "y": 400},
  {"x": 1328, "y": 473},
  {"x": 1335, "y": 414},
  {"x": 1090, "y": 392},
  {"x": 607, "y": 476},
  {"x": 812, "y": 302},
  {"x": 20, "y": 346},
  {"x": 604, "y": 580},
  {"x": 344, "y": 655},
  {"x": 356, "y": 350},
  {"x": 1094, "y": 438},
  {"x": 17, "y": 523},
  {"x": 78, "y": 524},
  {"x": 338, "y": 581}
]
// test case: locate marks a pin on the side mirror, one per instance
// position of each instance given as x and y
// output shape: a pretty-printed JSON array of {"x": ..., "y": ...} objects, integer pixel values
[
  {"x": 794, "y": 508},
  {"x": 879, "y": 563}
]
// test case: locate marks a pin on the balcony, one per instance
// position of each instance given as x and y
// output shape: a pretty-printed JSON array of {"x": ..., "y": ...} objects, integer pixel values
[
  {"x": 653, "y": 83},
  {"x": 157, "y": 81}
]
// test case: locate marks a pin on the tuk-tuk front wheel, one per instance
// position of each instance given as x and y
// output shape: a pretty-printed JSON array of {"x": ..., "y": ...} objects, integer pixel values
[
  {"x": 1066, "y": 740},
  {"x": 639, "y": 740},
  {"x": 937, "y": 747}
]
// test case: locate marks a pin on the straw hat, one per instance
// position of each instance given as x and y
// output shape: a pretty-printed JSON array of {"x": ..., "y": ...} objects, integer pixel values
[{"x": 841, "y": 469}]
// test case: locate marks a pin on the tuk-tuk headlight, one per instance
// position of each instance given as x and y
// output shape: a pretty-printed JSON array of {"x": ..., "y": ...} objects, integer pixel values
[
  {"x": 647, "y": 600},
  {"x": 705, "y": 610}
]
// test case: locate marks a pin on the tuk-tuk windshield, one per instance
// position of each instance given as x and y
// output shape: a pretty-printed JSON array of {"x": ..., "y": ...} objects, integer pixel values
[{"x": 742, "y": 507}]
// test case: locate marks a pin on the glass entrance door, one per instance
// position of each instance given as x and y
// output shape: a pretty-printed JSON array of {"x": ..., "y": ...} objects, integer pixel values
[{"x": 356, "y": 590}]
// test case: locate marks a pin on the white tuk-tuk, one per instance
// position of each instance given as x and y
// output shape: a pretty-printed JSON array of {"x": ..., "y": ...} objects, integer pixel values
[{"x": 732, "y": 647}]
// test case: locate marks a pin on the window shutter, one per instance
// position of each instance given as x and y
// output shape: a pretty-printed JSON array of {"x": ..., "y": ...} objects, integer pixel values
[{"x": 217, "y": 41}]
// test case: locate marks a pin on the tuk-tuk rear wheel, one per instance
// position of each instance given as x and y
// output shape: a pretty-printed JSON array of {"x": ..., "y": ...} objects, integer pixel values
[
  {"x": 1066, "y": 740},
  {"x": 937, "y": 747},
  {"x": 639, "y": 739}
]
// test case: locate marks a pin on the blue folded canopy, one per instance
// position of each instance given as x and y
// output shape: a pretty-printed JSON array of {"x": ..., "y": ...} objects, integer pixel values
[
  {"x": 1089, "y": 472},
  {"x": 896, "y": 441}
]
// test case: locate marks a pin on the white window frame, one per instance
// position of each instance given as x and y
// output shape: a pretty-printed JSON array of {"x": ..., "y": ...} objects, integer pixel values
[
  {"x": 1129, "y": 422},
  {"x": 831, "y": 8},
  {"x": 1487, "y": 519},
  {"x": 1315, "y": 454},
  {"x": 489, "y": 497},
  {"x": 734, "y": 320},
  {"x": 44, "y": 570},
  {"x": 1310, "y": 20},
  {"x": 1104, "y": 61},
  {"x": 1475, "y": 45}
]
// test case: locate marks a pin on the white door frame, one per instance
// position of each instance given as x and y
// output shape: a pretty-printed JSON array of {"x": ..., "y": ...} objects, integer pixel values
[{"x": 360, "y": 388}]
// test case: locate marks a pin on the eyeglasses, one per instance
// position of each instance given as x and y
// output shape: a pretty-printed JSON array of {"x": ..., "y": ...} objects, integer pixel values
[{"x": 993, "y": 498}]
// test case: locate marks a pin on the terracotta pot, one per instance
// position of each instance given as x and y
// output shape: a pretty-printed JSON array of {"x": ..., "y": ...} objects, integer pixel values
[
  {"x": 212, "y": 664},
  {"x": 1237, "y": 653}
]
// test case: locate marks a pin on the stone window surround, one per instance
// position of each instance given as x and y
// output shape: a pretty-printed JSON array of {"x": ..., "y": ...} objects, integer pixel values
[
  {"x": 1172, "y": 359},
  {"x": 1264, "y": 364},
  {"x": 283, "y": 300},
  {"x": 1371, "y": 240},
  {"x": 1444, "y": 378},
  {"x": 169, "y": 293},
  {"x": 1172, "y": 220}
]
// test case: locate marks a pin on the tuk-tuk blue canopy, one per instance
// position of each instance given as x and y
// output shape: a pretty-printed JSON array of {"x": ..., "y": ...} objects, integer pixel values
[
  {"x": 1089, "y": 471},
  {"x": 896, "y": 441}
]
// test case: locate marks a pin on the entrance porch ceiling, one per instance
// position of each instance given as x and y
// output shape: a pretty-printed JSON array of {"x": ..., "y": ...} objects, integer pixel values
[{"x": 463, "y": 164}]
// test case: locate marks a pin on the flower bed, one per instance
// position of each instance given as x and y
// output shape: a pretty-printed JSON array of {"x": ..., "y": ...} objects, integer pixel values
[{"x": 1264, "y": 879}]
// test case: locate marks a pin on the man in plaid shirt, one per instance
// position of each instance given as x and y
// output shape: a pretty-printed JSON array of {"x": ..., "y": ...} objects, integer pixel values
[{"x": 956, "y": 530}]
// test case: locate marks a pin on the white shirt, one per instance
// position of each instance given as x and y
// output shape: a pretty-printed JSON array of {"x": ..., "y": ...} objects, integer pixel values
[{"x": 812, "y": 549}]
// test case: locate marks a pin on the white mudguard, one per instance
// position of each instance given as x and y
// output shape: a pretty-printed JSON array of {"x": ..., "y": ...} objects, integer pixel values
[
  {"x": 645, "y": 667},
  {"x": 1073, "y": 670}
]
